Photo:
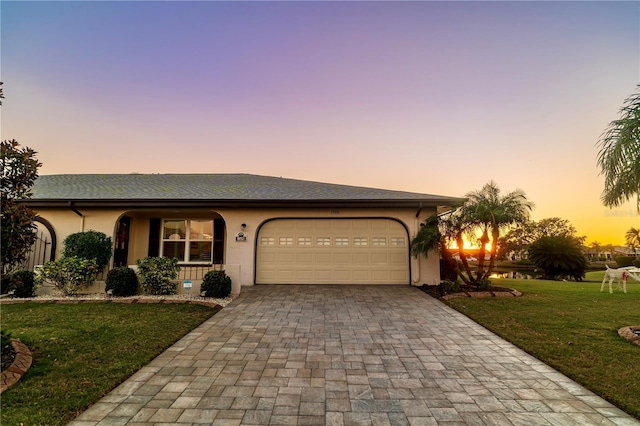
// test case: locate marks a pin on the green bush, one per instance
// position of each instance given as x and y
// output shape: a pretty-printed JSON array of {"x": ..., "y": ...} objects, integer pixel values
[
  {"x": 559, "y": 256},
  {"x": 22, "y": 283},
  {"x": 624, "y": 261},
  {"x": 122, "y": 281},
  {"x": 156, "y": 273},
  {"x": 69, "y": 274},
  {"x": 448, "y": 286},
  {"x": 216, "y": 284},
  {"x": 89, "y": 245},
  {"x": 636, "y": 263},
  {"x": 484, "y": 284}
]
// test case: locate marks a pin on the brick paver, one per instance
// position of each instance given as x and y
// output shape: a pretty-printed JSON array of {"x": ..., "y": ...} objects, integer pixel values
[{"x": 347, "y": 355}]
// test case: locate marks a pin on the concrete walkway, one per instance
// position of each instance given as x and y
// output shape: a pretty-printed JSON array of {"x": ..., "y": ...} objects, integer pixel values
[{"x": 347, "y": 355}]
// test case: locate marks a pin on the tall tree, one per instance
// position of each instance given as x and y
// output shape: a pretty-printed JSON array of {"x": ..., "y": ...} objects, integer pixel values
[
  {"x": 491, "y": 211},
  {"x": 19, "y": 172},
  {"x": 619, "y": 155},
  {"x": 519, "y": 239},
  {"x": 559, "y": 256},
  {"x": 632, "y": 237}
]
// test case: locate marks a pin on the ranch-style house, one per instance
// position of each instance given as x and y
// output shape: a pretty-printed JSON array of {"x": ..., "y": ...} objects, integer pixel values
[{"x": 259, "y": 229}]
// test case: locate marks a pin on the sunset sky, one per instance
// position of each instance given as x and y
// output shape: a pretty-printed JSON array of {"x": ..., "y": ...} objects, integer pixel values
[{"x": 421, "y": 96}]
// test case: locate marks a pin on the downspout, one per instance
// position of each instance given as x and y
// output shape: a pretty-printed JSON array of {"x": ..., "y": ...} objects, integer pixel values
[{"x": 79, "y": 213}]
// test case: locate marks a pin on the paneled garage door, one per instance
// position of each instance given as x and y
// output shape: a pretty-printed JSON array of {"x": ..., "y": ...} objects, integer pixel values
[{"x": 332, "y": 251}]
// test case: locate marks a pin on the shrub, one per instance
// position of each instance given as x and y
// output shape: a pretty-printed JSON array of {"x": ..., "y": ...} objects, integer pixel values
[
  {"x": 559, "y": 256},
  {"x": 89, "y": 245},
  {"x": 636, "y": 263},
  {"x": 69, "y": 274},
  {"x": 216, "y": 284},
  {"x": 484, "y": 284},
  {"x": 448, "y": 286},
  {"x": 122, "y": 281},
  {"x": 624, "y": 261},
  {"x": 22, "y": 283},
  {"x": 156, "y": 273}
]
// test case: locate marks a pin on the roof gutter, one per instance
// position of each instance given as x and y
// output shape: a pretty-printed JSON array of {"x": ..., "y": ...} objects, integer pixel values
[
  {"x": 155, "y": 203},
  {"x": 75, "y": 210}
]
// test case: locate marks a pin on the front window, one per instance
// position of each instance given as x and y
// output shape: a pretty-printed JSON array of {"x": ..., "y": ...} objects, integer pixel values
[{"x": 188, "y": 240}]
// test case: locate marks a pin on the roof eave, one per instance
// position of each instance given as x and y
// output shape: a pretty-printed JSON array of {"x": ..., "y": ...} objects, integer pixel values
[{"x": 161, "y": 203}]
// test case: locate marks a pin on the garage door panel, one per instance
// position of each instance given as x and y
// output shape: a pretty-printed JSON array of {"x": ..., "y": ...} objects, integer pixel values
[
  {"x": 380, "y": 275},
  {"x": 362, "y": 276},
  {"x": 325, "y": 275},
  {"x": 304, "y": 275},
  {"x": 380, "y": 258},
  {"x": 269, "y": 258},
  {"x": 323, "y": 258},
  {"x": 398, "y": 275},
  {"x": 343, "y": 276},
  {"x": 304, "y": 258},
  {"x": 361, "y": 258},
  {"x": 340, "y": 251},
  {"x": 286, "y": 257}
]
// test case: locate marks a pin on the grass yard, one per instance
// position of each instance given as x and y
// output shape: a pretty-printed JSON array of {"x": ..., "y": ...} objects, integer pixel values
[
  {"x": 82, "y": 351},
  {"x": 572, "y": 327}
]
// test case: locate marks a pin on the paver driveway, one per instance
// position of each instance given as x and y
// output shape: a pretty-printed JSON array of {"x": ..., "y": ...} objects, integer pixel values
[{"x": 352, "y": 355}]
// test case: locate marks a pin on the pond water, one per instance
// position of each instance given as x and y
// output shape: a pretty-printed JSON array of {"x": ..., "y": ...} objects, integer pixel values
[{"x": 519, "y": 275}]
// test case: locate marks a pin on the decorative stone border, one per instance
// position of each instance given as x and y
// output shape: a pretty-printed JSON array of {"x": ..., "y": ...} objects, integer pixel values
[
  {"x": 483, "y": 294},
  {"x": 18, "y": 368},
  {"x": 125, "y": 300},
  {"x": 628, "y": 334}
]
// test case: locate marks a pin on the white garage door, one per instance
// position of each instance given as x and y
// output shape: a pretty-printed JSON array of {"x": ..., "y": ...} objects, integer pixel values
[{"x": 332, "y": 251}]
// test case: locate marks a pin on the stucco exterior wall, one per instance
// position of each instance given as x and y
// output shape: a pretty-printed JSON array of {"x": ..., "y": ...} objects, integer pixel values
[{"x": 239, "y": 255}]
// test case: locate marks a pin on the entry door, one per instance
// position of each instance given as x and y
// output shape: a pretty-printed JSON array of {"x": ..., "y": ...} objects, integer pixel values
[{"x": 121, "y": 251}]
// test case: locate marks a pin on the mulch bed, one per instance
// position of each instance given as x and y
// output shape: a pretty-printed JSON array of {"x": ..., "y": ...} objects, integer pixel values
[{"x": 436, "y": 292}]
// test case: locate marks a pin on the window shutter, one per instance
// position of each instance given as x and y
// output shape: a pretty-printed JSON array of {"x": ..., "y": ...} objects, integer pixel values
[
  {"x": 154, "y": 237},
  {"x": 218, "y": 241}
]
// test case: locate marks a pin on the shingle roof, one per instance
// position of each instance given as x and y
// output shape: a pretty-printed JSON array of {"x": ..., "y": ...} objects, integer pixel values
[{"x": 210, "y": 187}]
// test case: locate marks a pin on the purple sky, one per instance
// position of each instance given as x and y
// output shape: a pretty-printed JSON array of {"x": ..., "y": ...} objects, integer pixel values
[{"x": 432, "y": 97}]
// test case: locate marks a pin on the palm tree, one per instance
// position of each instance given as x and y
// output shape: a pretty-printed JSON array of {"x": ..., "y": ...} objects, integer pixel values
[
  {"x": 438, "y": 232},
  {"x": 619, "y": 155},
  {"x": 597, "y": 247},
  {"x": 491, "y": 211},
  {"x": 486, "y": 210},
  {"x": 632, "y": 238}
]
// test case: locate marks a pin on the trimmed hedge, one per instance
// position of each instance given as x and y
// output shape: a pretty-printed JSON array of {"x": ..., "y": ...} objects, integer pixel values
[{"x": 89, "y": 245}]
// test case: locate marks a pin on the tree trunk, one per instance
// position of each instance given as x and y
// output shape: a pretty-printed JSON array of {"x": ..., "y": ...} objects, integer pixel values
[
  {"x": 495, "y": 234},
  {"x": 469, "y": 278},
  {"x": 446, "y": 255},
  {"x": 484, "y": 239}
]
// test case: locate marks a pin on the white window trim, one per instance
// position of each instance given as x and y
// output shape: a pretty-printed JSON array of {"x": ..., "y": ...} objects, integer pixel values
[{"x": 187, "y": 241}]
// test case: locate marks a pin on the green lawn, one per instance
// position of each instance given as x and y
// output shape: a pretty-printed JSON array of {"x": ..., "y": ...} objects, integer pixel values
[
  {"x": 82, "y": 351},
  {"x": 572, "y": 327}
]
